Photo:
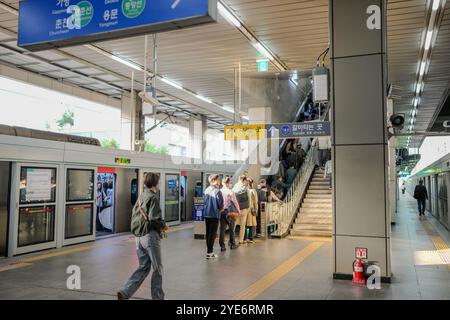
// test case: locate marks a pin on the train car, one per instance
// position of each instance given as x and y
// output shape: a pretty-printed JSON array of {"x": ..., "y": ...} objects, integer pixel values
[
  {"x": 58, "y": 190},
  {"x": 436, "y": 178}
]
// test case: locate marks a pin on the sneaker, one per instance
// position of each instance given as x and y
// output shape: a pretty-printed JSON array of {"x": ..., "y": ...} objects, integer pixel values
[
  {"x": 211, "y": 256},
  {"x": 121, "y": 296},
  {"x": 234, "y": 246}
]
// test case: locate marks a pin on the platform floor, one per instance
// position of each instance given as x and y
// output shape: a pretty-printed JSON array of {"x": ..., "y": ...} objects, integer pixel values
[{"x": 274, "y": 269}]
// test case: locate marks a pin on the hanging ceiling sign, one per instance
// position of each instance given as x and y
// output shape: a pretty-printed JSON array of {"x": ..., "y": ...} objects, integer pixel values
[
  {"x": 46, "y": 24},
  {"x": 299, "y": 130}
]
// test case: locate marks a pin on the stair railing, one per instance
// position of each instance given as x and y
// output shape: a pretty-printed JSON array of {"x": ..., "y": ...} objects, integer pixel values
[{"x": 282, "y": 214}]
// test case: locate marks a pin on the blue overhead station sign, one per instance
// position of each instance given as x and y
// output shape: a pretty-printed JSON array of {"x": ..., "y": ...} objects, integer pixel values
[
  {"x": 298, "y": 130},
  {"x": 46, "y": 24}
]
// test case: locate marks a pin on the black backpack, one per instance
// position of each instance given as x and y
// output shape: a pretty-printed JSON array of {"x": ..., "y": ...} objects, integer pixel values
[{"x": 242, "y": 199}]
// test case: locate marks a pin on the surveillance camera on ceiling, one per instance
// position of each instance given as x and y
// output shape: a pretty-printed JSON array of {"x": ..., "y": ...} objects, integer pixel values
[{"x": 397, "y": 121}]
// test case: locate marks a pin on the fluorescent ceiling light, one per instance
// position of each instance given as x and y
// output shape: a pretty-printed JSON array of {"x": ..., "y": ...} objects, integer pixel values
[
  {"x": 422, "y": 68},
  {"x": 428, "y": 40},
  {"x": 414, "y": 113},
  {"x": 411, "y": 128},
  {"x": 245, "y": 118},
  {"x": 418, "y": 88},
  {"x": 229, "y": 109},
  {"x": 436, "y": 4},
  {"x": 258, "y": 46},
  {"x": 127, "y": 63},
  {"x": 224, "y": 12},
  {"x": 416, "y": 102},
  {"x": 203, "y": 98},
  {"x": 171, "y": 83}
]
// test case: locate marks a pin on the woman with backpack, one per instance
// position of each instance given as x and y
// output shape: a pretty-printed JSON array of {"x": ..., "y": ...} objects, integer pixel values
[
  {"x": 148, "y": 227},
  {"x": 242, "y": 196},
  {"x": 229, "y": 214}
]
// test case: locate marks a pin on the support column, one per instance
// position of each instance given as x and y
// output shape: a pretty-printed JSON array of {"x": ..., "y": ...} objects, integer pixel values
[
  {"x": 360, "y": 153},
  {"x": 132, "y": 122},
  {"x": 197, "y": 139}
]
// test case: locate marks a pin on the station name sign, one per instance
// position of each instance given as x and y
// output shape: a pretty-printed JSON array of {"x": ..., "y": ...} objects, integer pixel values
[
  {"x": 278, "y": 131},
  {"x": 46, "y": 24}
]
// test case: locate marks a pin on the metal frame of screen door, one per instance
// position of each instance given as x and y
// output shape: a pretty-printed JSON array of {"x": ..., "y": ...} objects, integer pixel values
[
  {"x": 13, "y": 248},
  {"x": 62, "y": 226},
  {"x": 163, "y": 196}
]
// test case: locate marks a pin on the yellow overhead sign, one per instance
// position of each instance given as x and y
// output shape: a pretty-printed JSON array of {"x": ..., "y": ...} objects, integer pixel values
[{"x": 245, "y": 132}]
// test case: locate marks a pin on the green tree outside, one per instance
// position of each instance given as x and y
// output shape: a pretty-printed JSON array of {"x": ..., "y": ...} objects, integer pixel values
[
  {"x": 110, "y": 143},
  {"x": 67, "y": 119},
  {"x": 152, "y": 148}
]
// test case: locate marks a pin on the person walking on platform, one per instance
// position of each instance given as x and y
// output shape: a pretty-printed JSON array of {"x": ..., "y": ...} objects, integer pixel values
[
  {"x": 328, "y": 172},
  {"x": 242, "y": 196},
  {"x": 148, "y": 227},
  {"x": 213, "y": 210},
  {"x": 253, "y": 212},
  {"x": 229, "y": 214},
  {"x": 421, "y": 195}
]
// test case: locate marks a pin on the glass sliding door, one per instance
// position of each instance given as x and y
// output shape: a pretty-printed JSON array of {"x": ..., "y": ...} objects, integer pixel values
[
  {"x": 79, "y": 205},
  {"x": 172, "y": 198}
]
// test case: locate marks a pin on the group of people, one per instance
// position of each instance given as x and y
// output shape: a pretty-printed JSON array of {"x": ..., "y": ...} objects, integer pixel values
[
  {"x": 105, "y": 196},
  {"x": 311, "y": 111},
  {"x": 228, "y": 206}
]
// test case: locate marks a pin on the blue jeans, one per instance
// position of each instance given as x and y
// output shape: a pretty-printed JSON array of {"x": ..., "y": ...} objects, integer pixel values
[
  {"x": 148, "y": 250},
  {"x": 421, "y": 204}
]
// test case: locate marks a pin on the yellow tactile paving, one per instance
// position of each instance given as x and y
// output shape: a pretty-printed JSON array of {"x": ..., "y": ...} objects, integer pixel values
[
  {"x": 14, "y": 266},
  {"x": 441, "y": 246},
  {"x": 276, "y": 274},
  {"x": 59, "y": 253}
]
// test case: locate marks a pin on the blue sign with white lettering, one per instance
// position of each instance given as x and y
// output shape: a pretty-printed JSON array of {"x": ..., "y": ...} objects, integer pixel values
[
  {"x": 45, "y": 24},
  {"x": 298, "y": 130}
]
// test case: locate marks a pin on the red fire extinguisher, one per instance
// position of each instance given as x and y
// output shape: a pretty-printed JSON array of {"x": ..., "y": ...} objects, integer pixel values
[{"x": 359, "y": 272}]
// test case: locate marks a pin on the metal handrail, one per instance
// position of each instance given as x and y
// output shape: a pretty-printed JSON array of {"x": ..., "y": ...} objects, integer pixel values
[{"x": 283, "y": 213}]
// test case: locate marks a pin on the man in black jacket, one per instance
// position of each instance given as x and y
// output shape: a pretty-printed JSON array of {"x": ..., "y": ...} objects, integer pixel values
[{"x": 421, "y": 195}]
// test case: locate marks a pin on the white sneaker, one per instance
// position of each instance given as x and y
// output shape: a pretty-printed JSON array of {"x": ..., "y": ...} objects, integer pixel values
[{"x": 210, "y": 256}]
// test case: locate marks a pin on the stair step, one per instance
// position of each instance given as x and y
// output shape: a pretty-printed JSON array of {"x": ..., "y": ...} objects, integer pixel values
[
  {"x": 322, "y": 211},
  {"x": 317, "y": 206},
  {"x": 316, "y": 221},
  {"x": 324, "y": 196},
  {"x": 319, "y": 191},
  {"x": 304, "y": 233},
  {"x": 320, "y": 187},
  {"x": 324, "y": 184},
  {"x": 318, "y": 201},
  {"x": 313, "y": 227}
]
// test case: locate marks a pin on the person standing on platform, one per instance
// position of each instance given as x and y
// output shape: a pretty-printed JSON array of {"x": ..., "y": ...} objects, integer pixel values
[
  {"x": 229, "y": 214},
  {"x": 421, "y": 195},
  {"x": 242, "y": 196},
  {"x": 148, "y": 227},
  {"x": 253, "y": 212},
  {"x": 213, "y": 210}
]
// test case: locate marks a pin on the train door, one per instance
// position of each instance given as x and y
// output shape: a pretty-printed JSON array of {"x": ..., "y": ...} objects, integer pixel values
[
  {"x": 4, "y": 192},
  {"x": 106, "y": 200},
  {"x": 183, "y": 194},
  {"x": 80, "y": 202},
  {"x": 172, "y": 199},
  {"x": 33, "y": 206}
]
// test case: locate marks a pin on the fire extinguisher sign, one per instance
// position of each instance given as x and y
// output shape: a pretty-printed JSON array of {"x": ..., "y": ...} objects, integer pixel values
[{"x": 361, "y": 253}]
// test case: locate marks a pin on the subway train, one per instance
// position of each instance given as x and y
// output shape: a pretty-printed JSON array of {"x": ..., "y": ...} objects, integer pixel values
[
  {"x": 436, "y": 178},
  {"x": 58, "y": 190}
]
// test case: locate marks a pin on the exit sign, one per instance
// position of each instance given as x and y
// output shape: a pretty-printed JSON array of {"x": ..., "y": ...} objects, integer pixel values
[{"x": 263, "y": 65}]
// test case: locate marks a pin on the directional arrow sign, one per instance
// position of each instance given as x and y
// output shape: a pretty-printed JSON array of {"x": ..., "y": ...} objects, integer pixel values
[
  {"x": 45, "y": 24},
  {"x": 299, "y": 130}
]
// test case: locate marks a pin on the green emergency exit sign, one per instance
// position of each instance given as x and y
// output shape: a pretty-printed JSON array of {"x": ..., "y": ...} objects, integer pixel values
[{"x": 263, "y": 65}]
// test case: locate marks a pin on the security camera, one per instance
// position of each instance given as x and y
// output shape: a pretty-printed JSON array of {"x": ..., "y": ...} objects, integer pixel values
[
  {"x": 397, "y": 121},
  {"x": 147, "y": 97}
]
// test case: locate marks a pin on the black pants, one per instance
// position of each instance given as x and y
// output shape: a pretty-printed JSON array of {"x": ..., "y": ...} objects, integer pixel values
[
  {"x": 224, "y": 222},
  {"x": 421, "y": 204},
  {"x": 258, "y": 222},
  {"x": 212, "y": 225}
]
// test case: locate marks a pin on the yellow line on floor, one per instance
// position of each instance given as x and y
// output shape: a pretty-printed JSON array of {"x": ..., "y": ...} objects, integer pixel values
[
  {"x": 14, "y": 266},
  {"x": 276, "y": 274},
  {"x": 59, "y": 253},
  {"x": 441, "y": 246},
  {"x": 321, "y": 239}
]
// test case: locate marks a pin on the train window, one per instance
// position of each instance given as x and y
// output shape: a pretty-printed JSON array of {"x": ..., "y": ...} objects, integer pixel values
[{"x": 37, "y": 185}]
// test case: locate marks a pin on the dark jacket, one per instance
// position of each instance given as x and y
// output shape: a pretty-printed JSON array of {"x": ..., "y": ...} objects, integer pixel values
[
  {"x": 213, "y": 202},
  {"x": 420, "y": 193},
  {"x": 149, "y": 202}
]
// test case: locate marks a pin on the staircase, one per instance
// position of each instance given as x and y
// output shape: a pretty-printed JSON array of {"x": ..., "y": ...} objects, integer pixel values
[{"x": 315, "y": 216}]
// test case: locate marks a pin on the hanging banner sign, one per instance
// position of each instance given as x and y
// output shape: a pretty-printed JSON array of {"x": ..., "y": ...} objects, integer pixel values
[
  {"x": 45, "y": 24},
  {"x": 278, "y": 131}
]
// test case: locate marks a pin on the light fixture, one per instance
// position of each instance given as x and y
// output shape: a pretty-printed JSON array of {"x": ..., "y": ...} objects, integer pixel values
[
  {"x": 418, "y": 88},
  {"x": 436, "y": 4},
  {"x": 422, "y": 68},
  {"x": 428, "y": 39},
  {"x": 229, "y": 109},
  {"x": 414, "y": 113},
  {"x": 224, "y": 12},
  {"x": 258, "y": 46},
  {"x": 203, "y": 98},
  {"x": 415, "y": 102},
  {"x": 171, "y": 83},
  {"x": 126, "y": 62}
]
